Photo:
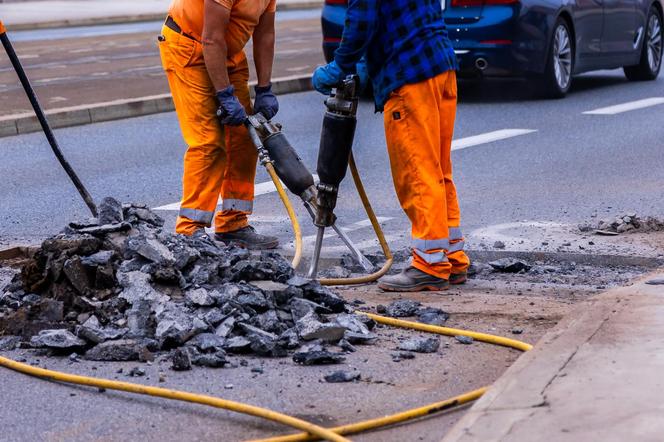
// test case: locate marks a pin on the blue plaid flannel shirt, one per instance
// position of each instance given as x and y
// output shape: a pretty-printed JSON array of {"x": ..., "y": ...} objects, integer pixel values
[{"x": 404, "y": 41}]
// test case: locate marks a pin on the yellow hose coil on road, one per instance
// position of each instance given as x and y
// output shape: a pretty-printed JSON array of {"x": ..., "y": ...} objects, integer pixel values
[{"x": 311, "y": 431}]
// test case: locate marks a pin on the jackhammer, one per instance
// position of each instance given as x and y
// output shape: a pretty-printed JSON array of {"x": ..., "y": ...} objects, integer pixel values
[{"x": 334, "y": 156}]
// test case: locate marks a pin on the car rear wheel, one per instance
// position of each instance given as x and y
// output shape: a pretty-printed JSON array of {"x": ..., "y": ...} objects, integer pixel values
[
  {"x": 651, "y": 52},
  {"x": 557, "y": 78}
]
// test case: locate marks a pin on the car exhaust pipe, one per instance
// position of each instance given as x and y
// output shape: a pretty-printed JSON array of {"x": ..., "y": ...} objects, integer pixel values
[{"x": 481, "y": 64}]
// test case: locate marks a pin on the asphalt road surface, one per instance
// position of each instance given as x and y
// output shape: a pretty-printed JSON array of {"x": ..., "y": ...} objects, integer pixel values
[
  {"x": 556, "y": 164},
  {"x": 92, "y": 64}
]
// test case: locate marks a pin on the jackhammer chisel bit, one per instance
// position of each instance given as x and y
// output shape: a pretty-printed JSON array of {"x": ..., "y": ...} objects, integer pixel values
[{"x": 29, "y": 91}]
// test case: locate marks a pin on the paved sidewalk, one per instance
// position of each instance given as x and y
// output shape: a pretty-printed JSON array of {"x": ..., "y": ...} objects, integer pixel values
[
  {"x": 61, "y": 13},
  {"x": 598, "y": 375}
]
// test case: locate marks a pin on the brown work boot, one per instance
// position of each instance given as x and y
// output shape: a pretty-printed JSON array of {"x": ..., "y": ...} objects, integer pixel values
[
  {"x": 247, "y": 238},
  {"x": 412, "y": 280}
]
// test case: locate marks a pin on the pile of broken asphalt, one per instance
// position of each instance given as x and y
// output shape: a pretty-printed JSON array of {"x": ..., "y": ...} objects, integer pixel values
[{"x": 119, "y": 288}]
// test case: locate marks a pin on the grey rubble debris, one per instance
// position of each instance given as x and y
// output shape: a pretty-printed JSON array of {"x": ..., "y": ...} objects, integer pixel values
[
  {"x": 181, "y": 360},
  {"x": 402, "y": 355},
  {"x": 57, "y": 339},
  {"x": 467, "y": 340},
  {"x": 420, "y": 345},
  {"x": 402, "y": 308},
  {"x": 121, "y": 288},
  {"x": 625, "y": 223},
  {"x": 499, "y": 245},
  {"x": 342, "y": 376},
  {"x": 8, "y": 343},
  {"x": 510, "y": 265},
  {"x": 656, "y": 281},
  {"x": 432, "y": 316},
  {"x": 317, "y": 354}
]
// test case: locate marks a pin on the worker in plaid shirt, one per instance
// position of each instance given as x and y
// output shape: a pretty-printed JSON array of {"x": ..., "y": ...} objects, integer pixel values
[{"x": 412, "y": 65}]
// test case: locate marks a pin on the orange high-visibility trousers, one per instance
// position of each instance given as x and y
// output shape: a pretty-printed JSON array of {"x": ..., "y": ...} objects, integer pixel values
[
  {"x": 220, "y": 161},
  {"x": 419, "y": 125}
]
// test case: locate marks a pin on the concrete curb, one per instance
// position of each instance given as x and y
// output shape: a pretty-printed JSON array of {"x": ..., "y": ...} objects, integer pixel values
[
  {"x": 586, "y": 379},
  {"x": 313, "y": 4},
  {"x": 19, "y": 124}
]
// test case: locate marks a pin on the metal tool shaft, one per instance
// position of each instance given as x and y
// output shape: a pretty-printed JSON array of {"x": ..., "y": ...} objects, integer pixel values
[
  {"x": 361, "y": 259},
  {"x": 44, "y": 122},
  {"x": 313, "y": 267}
]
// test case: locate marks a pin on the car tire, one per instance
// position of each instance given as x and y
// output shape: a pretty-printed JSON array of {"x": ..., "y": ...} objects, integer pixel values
[
  {"x": 556, "y": 80},
  {"x": 650, "y": 62}
]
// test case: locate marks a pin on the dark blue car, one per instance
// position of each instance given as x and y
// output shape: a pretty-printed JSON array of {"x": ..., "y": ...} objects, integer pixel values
[{"x": 546, "y": 40}]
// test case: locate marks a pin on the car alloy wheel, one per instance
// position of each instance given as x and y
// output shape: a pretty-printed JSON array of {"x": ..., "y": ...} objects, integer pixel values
[
  {"x": 654, "y": 42},
  {"x": 562, "y": 57}
]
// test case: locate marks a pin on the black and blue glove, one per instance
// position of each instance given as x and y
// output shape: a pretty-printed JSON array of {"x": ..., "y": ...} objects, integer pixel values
[
  {"x": 266, "y": 102},
  {"x": 230, "y": 111},
  {"x": 327, "y": 77}
]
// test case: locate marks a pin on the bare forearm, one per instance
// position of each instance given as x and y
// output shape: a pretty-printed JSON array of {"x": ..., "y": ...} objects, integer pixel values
[
  {"x": 264, "y": 58},
  {"x": 264, "y": 38},
  {"x": 214, "y": 53}
]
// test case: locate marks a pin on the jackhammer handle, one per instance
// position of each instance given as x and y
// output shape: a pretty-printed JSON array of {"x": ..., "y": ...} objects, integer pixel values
[{"x": 32, "y": 97}]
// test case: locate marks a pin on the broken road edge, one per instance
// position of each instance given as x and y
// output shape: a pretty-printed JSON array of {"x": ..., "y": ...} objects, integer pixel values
[{"x": 19, "y": 124}]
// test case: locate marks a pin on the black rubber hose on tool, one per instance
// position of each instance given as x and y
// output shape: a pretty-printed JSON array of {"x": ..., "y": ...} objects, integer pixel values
[{"x": 43, "y": 121}]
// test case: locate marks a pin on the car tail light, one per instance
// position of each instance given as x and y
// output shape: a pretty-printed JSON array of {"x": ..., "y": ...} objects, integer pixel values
[
  {"x": 462, "y": 3},
  {"x": 336, "y": 2}
]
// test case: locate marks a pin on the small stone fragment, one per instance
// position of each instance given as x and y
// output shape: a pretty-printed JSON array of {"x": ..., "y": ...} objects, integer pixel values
[
  {"x": 420, "y": 345},
  {"x": 402, "y": 308},
  {"x": 342, "y": 376},
  {"x": 467, "y": 340},
  {"x": 310, "y": 328},
  {"x": 110, "y": 211},
  {"x": 499, "y": 245},
  {"x": 433, "y": 316},
  {"x": 57, "y": 339},
  {"x": 181, "y": 360},
  {"x": 510, "y": 265}
]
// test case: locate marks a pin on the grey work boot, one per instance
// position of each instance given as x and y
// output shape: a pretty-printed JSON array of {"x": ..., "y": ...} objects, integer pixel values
[
  {"x": 248, "y": 238},
  {"x": 412, "y": 280}
]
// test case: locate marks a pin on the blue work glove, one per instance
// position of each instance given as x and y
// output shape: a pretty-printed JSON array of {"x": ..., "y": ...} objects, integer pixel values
[
  {"x": 327, "y": 77},
  {"x": 230, "y": 111},
  {"x": 266, "y": 103}
]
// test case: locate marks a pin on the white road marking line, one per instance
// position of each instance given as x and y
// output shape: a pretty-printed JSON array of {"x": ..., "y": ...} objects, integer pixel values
[
  {"x": 626, "y": 107},
  {"x": 259, "y": 189},
  {"x": 489, "y": 137},
  {"x": 350, "y": 228}
]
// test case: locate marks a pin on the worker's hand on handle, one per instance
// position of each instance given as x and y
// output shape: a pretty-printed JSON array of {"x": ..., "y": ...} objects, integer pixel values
[
  {"x": 327, "y": 77},
  {"x": 230, "y": 111},
  {"x": 266, "y": 102}
]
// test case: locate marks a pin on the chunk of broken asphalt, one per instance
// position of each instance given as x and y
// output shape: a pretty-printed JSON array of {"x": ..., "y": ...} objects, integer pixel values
[
  {"x": 467, "y": 340},
  {"x": 402, "y": 355},
  {"x": 402, "y": 308},
  {"x": 656, "y": 281},
  {"x": 57, "y": 339},
  {"x": 510, "y": 265},
  {"x": 316, "y": 354},
  {"x": 119, "y": 350},
  {"x": 310, "y": 328},
  {"x": 420, "y": 345},
  {"x": 110, "y": 211},
  {"x": 181, "y": 361},
  {"x": 342, "y": 376},
  {"x": 431, "y": 315}
]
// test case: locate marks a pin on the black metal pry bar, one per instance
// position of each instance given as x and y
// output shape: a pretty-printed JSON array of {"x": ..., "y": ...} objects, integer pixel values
[{"x": 43, "y": 121}]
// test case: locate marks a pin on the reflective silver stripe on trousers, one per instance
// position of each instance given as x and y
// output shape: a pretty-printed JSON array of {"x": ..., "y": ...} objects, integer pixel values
[
  {"x": 200, "y": 216},
  {"x": 455, "y": 233},
  {"x": 432, "y": 258},
  {"x": 241, "y": 205},
  {"x": 456, "y": 247},
  {"x": 431, "y": 244}
]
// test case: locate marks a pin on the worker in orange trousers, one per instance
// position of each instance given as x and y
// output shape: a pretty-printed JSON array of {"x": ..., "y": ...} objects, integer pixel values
[
  {"x": 202, "y": 51},
  {"x": 411, "y": 64}
]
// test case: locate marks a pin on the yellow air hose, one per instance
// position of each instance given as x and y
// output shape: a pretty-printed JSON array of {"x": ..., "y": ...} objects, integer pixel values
[
  {"x": 379, "y": 234},
  {"x": 211, "y": 401},
  {"x": 297, "y": 232},
  {"x": 311, "y": 431},
  {"x": 373, "y": 424}
]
